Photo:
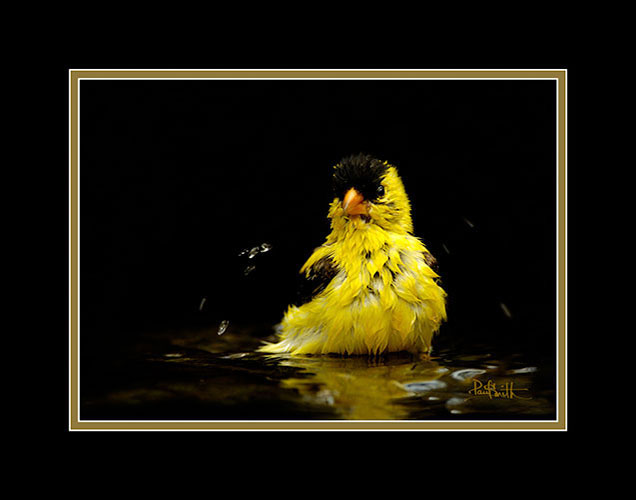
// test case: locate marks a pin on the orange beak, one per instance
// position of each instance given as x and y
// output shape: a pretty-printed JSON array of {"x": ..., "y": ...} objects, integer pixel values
[{"x": 354, "y": 203}]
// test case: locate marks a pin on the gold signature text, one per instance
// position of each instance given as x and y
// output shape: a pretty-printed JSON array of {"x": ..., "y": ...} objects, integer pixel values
[{"x": 492, "y": 391}]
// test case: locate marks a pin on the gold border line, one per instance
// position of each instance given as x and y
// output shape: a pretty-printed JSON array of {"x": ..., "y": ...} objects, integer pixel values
[
  {"x": 319, "y": 425},
  {"x": 562, "y": 238},
  {"x": 74, "y": 249},
  {"x": 462, "y": 74},
  {"x": 76, "y": 424}
]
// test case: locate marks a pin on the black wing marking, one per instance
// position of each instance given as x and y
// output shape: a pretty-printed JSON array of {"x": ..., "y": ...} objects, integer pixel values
[
  {"x": 315, "y": 280},
  {"x": 431, "y": 261}
]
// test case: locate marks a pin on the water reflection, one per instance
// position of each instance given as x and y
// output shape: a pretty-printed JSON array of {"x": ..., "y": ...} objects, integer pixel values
[
  {"x": 206, "y": 376},
  {"x": 361, "y": 388}
]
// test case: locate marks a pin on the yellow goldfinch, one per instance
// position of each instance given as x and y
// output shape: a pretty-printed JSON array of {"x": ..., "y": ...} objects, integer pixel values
[{"x": 371, "y": 283}]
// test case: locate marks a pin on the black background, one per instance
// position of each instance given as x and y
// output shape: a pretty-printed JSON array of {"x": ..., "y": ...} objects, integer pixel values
[{"x": 176, "y": 177}]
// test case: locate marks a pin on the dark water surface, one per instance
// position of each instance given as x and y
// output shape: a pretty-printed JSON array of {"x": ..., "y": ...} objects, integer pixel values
[{"x": 199, "y": 375}]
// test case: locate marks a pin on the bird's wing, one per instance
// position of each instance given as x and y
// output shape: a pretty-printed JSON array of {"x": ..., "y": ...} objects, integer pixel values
[{"x": 315, "y": 276}]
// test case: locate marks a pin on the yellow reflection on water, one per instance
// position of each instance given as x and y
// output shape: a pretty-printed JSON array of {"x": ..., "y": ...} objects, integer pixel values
[{"x": 359, "y": 388}]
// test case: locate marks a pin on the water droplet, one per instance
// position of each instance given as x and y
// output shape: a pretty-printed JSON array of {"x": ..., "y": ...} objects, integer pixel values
[
  {"x": 505, "y": 309},
  {"x": 248, "y": 270},
  {"x": 202, "y": 303},
  {"x": 254, "y": 251},
  {"x": 173, "y": 355},
  {"x": 466, "y": 374},
  {"x": 446, "y": 249},
  {"x": 223, "y": 326},
  {"x": 470, "y": 224}
]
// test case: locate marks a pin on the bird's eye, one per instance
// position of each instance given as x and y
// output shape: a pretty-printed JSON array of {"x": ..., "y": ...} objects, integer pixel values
[{"x": 380, "y": 191}]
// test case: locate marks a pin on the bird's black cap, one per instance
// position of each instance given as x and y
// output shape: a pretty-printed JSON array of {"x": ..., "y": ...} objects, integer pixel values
[{"x": 362, "y": 172}]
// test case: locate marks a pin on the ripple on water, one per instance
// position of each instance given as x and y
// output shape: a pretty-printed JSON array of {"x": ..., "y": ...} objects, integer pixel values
[
  {"x": 430, "y": 385},
  {"x": 527, "y": 369},
  {"x": 467, "y": 374}
]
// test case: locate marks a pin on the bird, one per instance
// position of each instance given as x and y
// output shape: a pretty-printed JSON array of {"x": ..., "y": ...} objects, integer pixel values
[{"x": 372, "y": 287}]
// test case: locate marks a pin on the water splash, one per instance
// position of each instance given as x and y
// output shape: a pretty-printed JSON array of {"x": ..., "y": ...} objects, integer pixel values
[{"x": 250, "y": 253}]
